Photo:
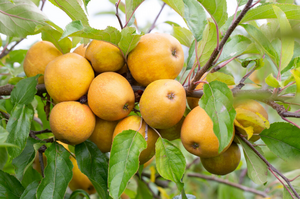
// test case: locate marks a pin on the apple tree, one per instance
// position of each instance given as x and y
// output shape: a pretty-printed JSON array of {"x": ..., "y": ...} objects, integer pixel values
[{"x": 252, "y": 55}]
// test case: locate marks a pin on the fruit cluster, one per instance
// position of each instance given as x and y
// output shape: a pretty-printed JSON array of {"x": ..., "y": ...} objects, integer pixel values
[{"x": 97, "y": 73}]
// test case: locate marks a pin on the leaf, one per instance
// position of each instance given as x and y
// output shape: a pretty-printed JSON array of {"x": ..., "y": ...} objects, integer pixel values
[
  {"x": 217, "y": 102},
  {"x": 143, "y": 191},
  {"x": 58, "y": 173},
  {"x": 93, "y": 163},
  {"x": 287, "y": 42},
  {"x": 77, "y": 29},
  {"x": 18, "y": 127},
  {"x": 24, "y": 91},
  {"x": 229, "y": 192},
  {"x": 282, "y": 140},
  {"x": 30, "y": 176},
  {"x": 296, "y": 75},
  {"x": 3, "y": 137},
  {"x": 10, "y": 187},
  {"x": 262, "y": 41},
  {"x": 221, "y": 77},
  {"x": 79, "y": 192},
  {"x": 20, "y": 18},
  {"x": 241, "y": 2},
  {"x": 72, "y": 9},
  {"x": 208, "y": 43},
  {"x": 124, "y": 160},
  {"x": 129, "y": 40},
  {"x": 272, "y": 81},
  {"x": 30, "y": 191},
  {"x": 248, "y": 131},
  {"x": 170, "y": 162},
  {"x": 3, "y": 157},
  {"x": 287, "y": 195},
  {"x": 257, "y": 169},
  {"x": 195, "y": 17},
  {"x": 192, "y": 56},
  {"x": 217, "y": 9},
  {"x": 266, "y": 11},
  {"x": 50, "y": 34},
  {"x": 176, "y": 5},
  {"x": 183, "y": 35},
  {"x": 130, "y": 7}
]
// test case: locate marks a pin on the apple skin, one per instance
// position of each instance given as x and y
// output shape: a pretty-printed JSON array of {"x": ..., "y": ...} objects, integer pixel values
[{"x": 157, "y": 56}]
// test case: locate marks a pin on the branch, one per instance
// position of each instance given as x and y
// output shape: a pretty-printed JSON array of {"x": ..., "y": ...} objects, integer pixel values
[
  {"x": 219, "y": 180},
  {"x": 41, "y": 150},
  {"x": 153, "y": 25},
  {"x": 215, "y": 53},
  {"x": 6, "y": 89},
  {"x": 117, "y": 14}
]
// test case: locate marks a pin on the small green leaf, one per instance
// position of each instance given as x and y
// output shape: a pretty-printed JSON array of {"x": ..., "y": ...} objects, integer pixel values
[
  {"x": 18, "y": 127},
  {"x": 79, "y": 192},
  {"x": 221, "y": 77},
  {"x": 176, "y": 5},
  {"x": 124, "y": 160},
  {"x": 77, "y": 29},
  {"x": 130, "y": 7},
  {"x": 195, "y": 17},
  {"x": 272, "y": 81},
  {"x": 287, "y": 42},
  {"x": 183, "y": 35},
  {"x": 58, "y": 173},
  {"x": 30, "y": 191},
  {"x": 143, "y": 191},
  {"x": 296, "y": 75},
  {"x": 257, "y": 169},
  {"x": 170, "y": 162},
  {"x": 217, "y": 9},
  {"x": 93, "y": 163},
  {"x": 24, "y": 91},
  {"x": 282, "y": 139},
  {"x": 10, "y": 187},
  {"x": 129, "y": 40},
  {"x": 217, "y": 102},
  {"x": 19, "y": 19}
]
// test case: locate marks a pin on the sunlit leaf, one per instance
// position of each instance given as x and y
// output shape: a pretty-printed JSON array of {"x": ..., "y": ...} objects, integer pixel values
[
  {"x": 130, "y": 7},
  {"x": 129, "y": 40},
  {"x": 221, "y": 77},
  {"x": 176, "y": 5},
  {"x": 296, "y": 74},
  {"x": 183, "y": 35},
  {"x": 272, "y": 81}
]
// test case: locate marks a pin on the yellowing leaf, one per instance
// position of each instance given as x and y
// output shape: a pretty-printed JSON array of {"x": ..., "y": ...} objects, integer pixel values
[
  {"x": 296, "y": 74},
  {"x": 153, "y": 172},
  {"x": 267, "y": 123},
  {"x": 163, "y": 193},
  {"x": 244, "y": 130},
  {"x": 243, "y": 115}
]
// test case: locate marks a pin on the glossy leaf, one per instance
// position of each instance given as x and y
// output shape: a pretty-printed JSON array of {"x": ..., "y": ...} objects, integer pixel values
[
  {"x": 20, "y": 18},
  {"x": 143, "y": 191},
  {"x": 195, "y": 17},
  {"x": 130, "y": 7},
  {"x": 18, "y": 127},
  {"x": 257, "y": 169},
  {"x": 266, "y": 11},
  {"x": 217, "y": 102},
  {"x": 93, "y": 163},
  {"x": 58, "y": 173},
  {"x": 30, "y": 191},
  {"x": 183, "y": 35},
  {"x": 272, "y": 81},
  {"x": 262, "y": 41},
  {"x": 10, "y": 187},
  {"x": 77, "y": 29},
  {"x": 72, "y": 9},
  {"x": 170, "y": 162},
  {"x": 287, "y": 42},
  {"x": 217, "y": 9},
  {"x": 124, "y": 160},
  {"x": 176, "y": 5},
  {"x": 24, "y": 91},
  {"x": 221, "y": 77},
  {"x": 282, "y": 140},
  {"x": 129, "y": 40}
]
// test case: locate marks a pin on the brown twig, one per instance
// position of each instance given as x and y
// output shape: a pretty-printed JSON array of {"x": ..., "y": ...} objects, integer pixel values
[
  {"x": 41, "y": 150},
  {"x": 242, "y": 82},
  {"x": 219, "y": 180},
  {"x": 153, "y": 24},
  {"x": 117, "y": 14},
  {"x": 195, "y": 161}
]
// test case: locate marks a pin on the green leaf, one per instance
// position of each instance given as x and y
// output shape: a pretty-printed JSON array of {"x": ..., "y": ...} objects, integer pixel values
[
  {"x": 93, "y": 163},
  {"x": 287, "y": 195},
  {"x": 41, "y": 112},
  {"x": 237, "y": 45},
  {"x": 170, "y": 162},
  {"x": 3, "y": 137},
  {"x": 217, "y": 9},
  {"x": 72, "y": 9},
  {"x": 24, "y": 91},
  {"x": 262, "y": 41},
  {"x": 241, "y": 2},
  {"x": 24, "y": 160},
  {"x": 124, "y": 160},
  {"x": 282, "y": 140},
  {"x": 15, "y": 56},
  {"x": 208, "y": 43},
  {"x": 266, "y": 11},
  {"x": 129, "y": 40},
  {"x": 221, "y": 77},
  {"x": 143, "y": 191},
  {"x": 58, "y": 173},
  {"x": 183, "y": 35},
  {"x": 272, "y": 81},
  {"x": 287, "y": 42},
  {"x": 30, "y": 191},
  {"x": 18, "y": 127},
  {"x": 217, "y": 102},
  {"x": 130, "y": 7},
  {"x": 257, "y": 169},
  {"x": 50, "y": 34},
  {"x": 3, "y": 157},
  {"x": 77, "y": 29},
  {"x": 229, "y": 192},
  {"x": 195, "y": 17},
  {"x": 192, "y": 56},
  {"x": 296, "y": 75},
  {"x": 20, "y": 18},
  {"x": 176, "y": 5},
  {"x": 79, "y": 192},
  {"x": 10, "y": 187},
  {"x": 30, "y": 176}
]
